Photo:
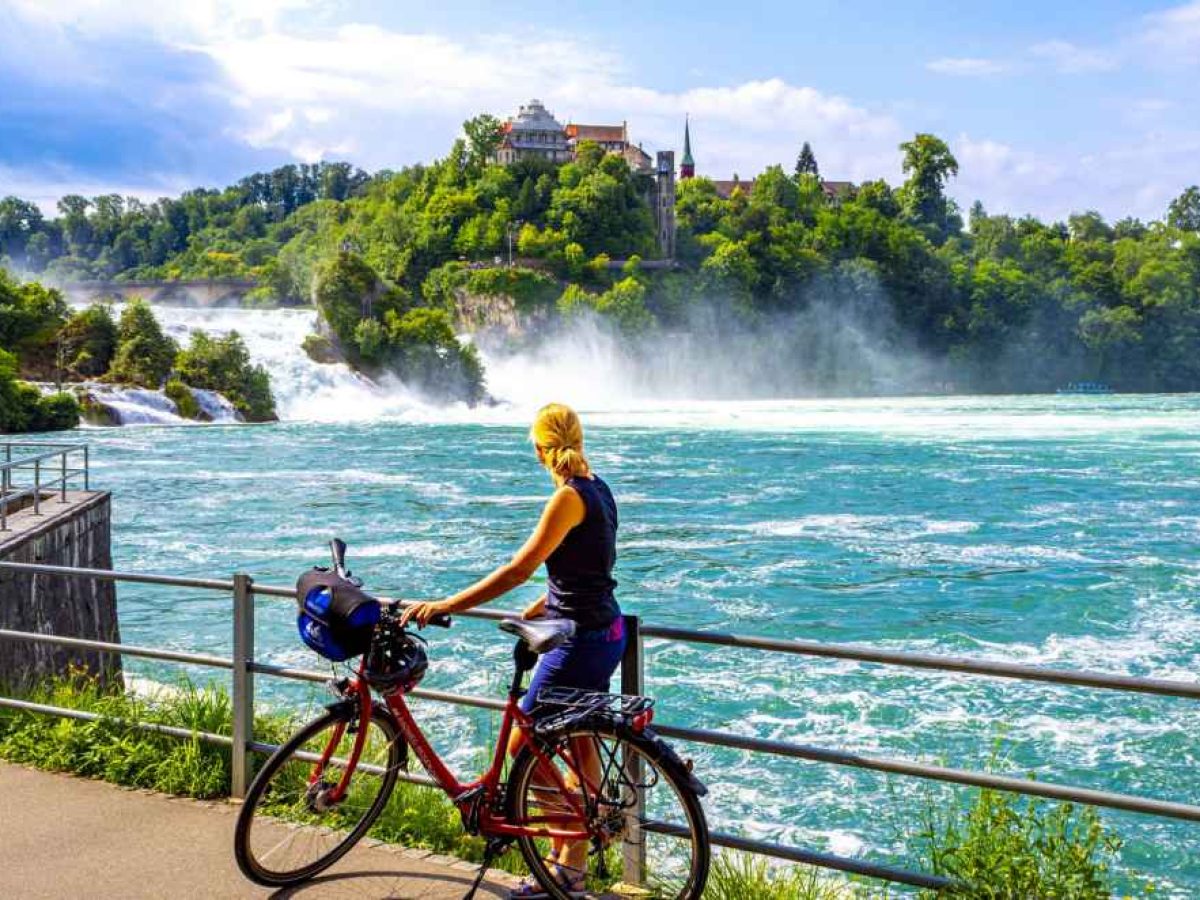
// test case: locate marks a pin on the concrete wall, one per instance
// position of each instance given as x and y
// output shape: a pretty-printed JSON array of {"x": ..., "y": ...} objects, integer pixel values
[{"x": 78, "y": 534}]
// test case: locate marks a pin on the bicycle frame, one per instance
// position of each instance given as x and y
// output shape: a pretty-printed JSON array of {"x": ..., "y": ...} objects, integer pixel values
[{"x": 463, "y": 794}]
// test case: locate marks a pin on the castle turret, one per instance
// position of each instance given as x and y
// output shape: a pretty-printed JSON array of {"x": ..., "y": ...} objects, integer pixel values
[
  {"x": 662, "y": 203},
  {"x": 687, "y": 166}
]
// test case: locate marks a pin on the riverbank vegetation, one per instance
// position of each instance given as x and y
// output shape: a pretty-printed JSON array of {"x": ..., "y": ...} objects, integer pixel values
[
  {"x": 52, "y": 343},
  {"x": 993, "y": 301},
  {"x": 996, "y": 845}
]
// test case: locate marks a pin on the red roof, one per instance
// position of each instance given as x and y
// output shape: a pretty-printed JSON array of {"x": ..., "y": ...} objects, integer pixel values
[{"x": 601, "y": 134}]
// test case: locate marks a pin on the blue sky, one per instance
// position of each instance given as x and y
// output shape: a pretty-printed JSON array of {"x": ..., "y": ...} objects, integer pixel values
[{"x": 1049, "y": 107}]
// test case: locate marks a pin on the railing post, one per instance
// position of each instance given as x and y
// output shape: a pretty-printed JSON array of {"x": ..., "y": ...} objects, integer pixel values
[
  {"x": 86, "y": 486},
  {"x": 37, "y": 487},
  {"x": 243, "y": 683},
  {"x": 5, "y": 479},
  {"x": 633, "y": 681},
  {"x": 62, "y": 497}
]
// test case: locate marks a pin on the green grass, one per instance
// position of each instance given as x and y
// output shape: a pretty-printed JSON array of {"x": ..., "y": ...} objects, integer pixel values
[
  {"x": 742, "y": 876},
  {"x": 113, "y": 748}
]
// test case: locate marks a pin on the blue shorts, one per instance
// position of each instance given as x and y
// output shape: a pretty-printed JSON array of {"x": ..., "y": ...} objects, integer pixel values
[{"x": 587, "y": 661}]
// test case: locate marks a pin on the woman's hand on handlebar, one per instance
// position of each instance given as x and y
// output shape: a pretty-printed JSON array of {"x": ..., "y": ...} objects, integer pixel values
[{"x": 422, "y": 612}]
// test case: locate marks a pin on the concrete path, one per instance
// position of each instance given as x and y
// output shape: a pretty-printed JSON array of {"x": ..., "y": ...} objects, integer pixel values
[{"x": 63, "y": 837}]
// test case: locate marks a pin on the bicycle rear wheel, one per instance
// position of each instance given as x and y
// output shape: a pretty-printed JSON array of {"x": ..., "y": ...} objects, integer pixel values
[
  {"x": 650, "y": 826},
  {"x": 289, "y": 829}
]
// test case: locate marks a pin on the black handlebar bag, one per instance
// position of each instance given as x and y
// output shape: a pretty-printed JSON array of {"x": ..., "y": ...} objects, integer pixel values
[{"x": 336, "y": 617}]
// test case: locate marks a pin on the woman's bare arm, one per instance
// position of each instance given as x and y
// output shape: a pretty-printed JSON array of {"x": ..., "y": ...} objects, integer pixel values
[{"x": 563, "y": 512}]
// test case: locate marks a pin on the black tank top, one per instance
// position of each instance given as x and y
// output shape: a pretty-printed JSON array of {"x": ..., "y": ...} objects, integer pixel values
[{"x": 579, "y": 578}]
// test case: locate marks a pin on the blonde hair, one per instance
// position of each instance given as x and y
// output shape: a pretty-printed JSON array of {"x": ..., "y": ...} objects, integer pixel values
[{"x": 558, "y": 433}]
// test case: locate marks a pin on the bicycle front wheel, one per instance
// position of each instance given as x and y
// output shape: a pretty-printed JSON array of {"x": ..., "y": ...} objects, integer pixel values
[
  {"x": 649, "y": 831},
  {"x": 290, "y": 826}
]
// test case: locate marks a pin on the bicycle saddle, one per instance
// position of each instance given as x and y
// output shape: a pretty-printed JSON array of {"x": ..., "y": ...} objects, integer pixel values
[{"x": 540, "y": 635}]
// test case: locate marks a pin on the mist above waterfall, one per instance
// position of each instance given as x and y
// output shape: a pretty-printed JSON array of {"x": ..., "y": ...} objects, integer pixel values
[{"x": 841, "y": 343}]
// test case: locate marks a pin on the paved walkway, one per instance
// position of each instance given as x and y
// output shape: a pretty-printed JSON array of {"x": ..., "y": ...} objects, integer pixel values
[{"x": 63, "y": 837}]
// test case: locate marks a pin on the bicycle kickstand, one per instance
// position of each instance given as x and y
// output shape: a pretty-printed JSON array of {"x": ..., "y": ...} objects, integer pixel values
[{"x": 491, "y": 852}]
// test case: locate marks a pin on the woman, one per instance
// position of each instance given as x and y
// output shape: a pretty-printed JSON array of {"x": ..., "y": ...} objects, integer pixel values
[{"x": 576, "y": 539}]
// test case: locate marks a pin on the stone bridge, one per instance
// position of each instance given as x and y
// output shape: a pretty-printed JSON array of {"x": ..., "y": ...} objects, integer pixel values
[{"x": 210, "y": 292}]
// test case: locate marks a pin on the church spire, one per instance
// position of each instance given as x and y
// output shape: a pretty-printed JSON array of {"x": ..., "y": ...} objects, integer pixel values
[{"x": 687, "y": 166}]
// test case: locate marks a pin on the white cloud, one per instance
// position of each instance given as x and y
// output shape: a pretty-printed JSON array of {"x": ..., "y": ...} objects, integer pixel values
[
  {"x": 1175, "y": 33},
  {"x": 1072, "y": 59},
  {"x": 969, "y": 66},
  {"x": 318, "y": 88},
  {"x": 161, "y": 18}
]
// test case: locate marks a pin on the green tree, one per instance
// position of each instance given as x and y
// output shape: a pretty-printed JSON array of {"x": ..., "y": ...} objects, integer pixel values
[
  {"x": 345, "y": 294},
  {"x": 427, "y": 356},
  {"x": 929, "y": 165},
  {"x": 483, "y": 139},
  {"x": 806, "y": 162},
  {"x": 222, "y": 364},
  {"x": 144, "y": 354},
  {"x": 89, "y": 341},
  {"x": 1184, "y": 212},
  {"x": 30, "y": 318}
]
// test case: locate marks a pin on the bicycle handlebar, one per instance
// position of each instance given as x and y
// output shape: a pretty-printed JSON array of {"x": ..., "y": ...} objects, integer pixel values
[{"x": 337, "y": 549}]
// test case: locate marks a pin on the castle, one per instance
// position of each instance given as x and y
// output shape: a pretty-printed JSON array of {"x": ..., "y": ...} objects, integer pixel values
[{"x": 534, "y": 133}]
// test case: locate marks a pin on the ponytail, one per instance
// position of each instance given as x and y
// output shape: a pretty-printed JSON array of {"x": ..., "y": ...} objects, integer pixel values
[{"x": 558, "y": 433}]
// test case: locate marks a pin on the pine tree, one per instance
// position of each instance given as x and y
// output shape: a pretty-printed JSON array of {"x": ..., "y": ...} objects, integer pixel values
[{"x": 806, "y": 162}]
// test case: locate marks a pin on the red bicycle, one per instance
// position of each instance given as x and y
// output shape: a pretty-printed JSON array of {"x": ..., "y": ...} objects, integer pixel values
[{"x": 590, "y": 770}]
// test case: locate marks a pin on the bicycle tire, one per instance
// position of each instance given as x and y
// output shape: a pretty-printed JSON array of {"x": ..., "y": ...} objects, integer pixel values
[
  {"x": 249, "y": 863},
  {"x": 651, "y": 750}
]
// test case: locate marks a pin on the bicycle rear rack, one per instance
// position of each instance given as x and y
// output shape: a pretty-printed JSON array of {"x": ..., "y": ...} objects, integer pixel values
[{"x": 560, "y": 706}]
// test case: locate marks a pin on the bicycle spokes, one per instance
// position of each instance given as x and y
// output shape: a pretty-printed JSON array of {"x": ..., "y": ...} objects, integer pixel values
[
  {"x": 311, "y": 806},
  {"x": 643, "y": 827}
]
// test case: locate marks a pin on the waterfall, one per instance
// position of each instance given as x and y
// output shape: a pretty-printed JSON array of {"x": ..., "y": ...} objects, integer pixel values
[{"x": 136, "y": 406}]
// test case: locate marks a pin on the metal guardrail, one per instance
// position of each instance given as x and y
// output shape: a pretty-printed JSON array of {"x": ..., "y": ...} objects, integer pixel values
[
  {"x": 38, "y": 460},
  {"x": 244, "y": 666}
]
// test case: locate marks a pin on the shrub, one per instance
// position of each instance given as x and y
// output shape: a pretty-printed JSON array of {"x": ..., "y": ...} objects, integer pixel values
[
  {"x": 181, "y": 395},
  {"x": 527, "y": 287},
  {"x": 89, "y": 341},
  {"x": 223, "y": 364},
  {"x": 1006, "y": 846},
  {"x": 24, "y": 408},
  {"x": 370, "y": 339},
  {"x": 319, "y": 348},
  {"x": 55, "y": 412},
  {"x": 425, "y": 353},
  {"x": 145, "y": 354}
]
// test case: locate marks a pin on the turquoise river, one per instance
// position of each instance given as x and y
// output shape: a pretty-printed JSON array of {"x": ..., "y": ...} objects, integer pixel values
[{"x": 1059, "y": 531}]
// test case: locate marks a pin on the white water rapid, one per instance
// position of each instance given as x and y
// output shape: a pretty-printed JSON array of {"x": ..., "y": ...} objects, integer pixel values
[{"x": 587, "y": 370}]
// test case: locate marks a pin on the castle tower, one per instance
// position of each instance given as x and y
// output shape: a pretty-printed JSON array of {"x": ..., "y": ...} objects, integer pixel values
[
  {"x": 687, "y": 166},
  {"x": 662, "y": 203}
]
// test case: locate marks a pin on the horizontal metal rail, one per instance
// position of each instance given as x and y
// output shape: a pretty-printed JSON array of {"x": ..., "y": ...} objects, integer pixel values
[
  {"x": 1080, "y": 678},
  {"x": 10, "y": 494},
  {"x": 809, "y": 857},
  {"x": 965, "y": 777},
  {"x": 204, "y": 584},
  {"x": 199, "y": 659},
  {"x": 223, "y": 740},
  {"x": 987, "y": 668}
]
